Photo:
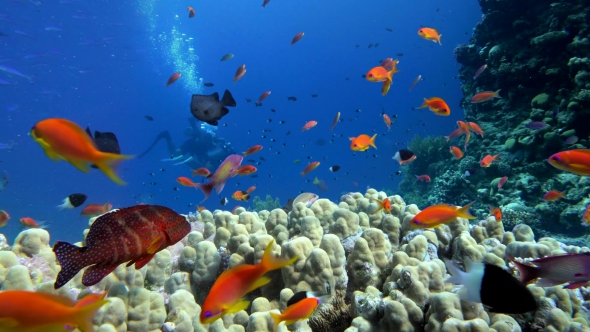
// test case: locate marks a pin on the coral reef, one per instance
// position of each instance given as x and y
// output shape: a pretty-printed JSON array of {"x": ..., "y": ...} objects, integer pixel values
[
  {"x": 268, "y": 204},
  {"x": 547, "y": 80},
  {"x": 382, "y": 274}
]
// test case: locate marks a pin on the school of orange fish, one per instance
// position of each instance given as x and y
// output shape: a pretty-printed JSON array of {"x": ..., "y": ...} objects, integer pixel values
[{"x": 137, "y": 233}]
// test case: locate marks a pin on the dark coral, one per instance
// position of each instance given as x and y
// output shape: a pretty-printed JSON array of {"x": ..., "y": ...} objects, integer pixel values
[{"x": 334, "y": 316}]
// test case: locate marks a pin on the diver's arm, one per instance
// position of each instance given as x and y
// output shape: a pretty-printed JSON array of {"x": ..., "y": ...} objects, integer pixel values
[{"x": 163, "y": 135}]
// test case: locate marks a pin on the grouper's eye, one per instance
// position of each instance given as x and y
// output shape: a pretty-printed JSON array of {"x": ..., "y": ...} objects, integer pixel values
[{"x": 208, "y": 314}]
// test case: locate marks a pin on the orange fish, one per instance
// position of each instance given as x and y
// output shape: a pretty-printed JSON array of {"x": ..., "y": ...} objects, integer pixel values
[
  {"x": 25, "y": 311},
  {"x": 4, "y": 217},
  {"x": 436, "y": 215},
  {"x": 186, "y": 182},
  {"x": 264, "y": 3},
  {"x": 233, "y": 211},
  {"x": 300, "y": 306},
  {"x": 423, "y": 178},
  {"x": 336, "y": 119},
  {"x": 227, "y": 294},
  {"x": 362, "y": 142},
  {"x": 62, "y": 139},
  {"x": 297, "y": 37},
  {"x": 502, "y": 181},
  {"x": 387, "y": 121},
  {"x": 465, "y": 129},
  {"x": 251, "y": 189},
  {"x": 496, "y": 212},
  {"x": 29, "y": 222},
  {"x": 173, "y": 78},
  {"x": 191, "y": 12},
  {"x": 488, "y": 160},
  {"x": 430, "y": 34},
  {"x": 456, "y": 133},
  {"x": 573, "y": 161},
  {"x": 310, "y": 167},
  {"x": 382, "y": 205},
  {"x": 201, "y": 208},
  {"x": 437, "y": 105},
  {"x": 380, "y": 74},
  {"x": 586, "y": 216},
  {"x": 457, "y": 153},
  {"x": 201, "y": 172},
  {"x": 241, "y": 196},
  {"x": 485, "y": 96},
  {"x": 262, "y": 97},
  {"x": 415, "y": 82},
  {"x": 240, "y": 73},
  {"x": 554, "y": 195},
  {"x": 252, "y": 150},
  {"x": 388, "y": 63},
  {"x": 475, "y": 128},
  {"x": 309, "y": 125},
  {"x": 245, "y": 170},
  {"x": 93, "y": 210}
]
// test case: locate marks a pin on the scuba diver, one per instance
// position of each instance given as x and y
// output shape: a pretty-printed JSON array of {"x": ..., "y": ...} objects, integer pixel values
[{"x": 201, "y": 149}]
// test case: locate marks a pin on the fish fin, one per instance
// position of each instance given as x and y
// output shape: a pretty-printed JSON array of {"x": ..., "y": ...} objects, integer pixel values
[
  {"x": 71, "y": 259},
  {"x": 372, "y": 141},
  {"x": 546, "y": 282},
  {"x": 142, "y": 261},
  {"x": 385, "y": 87},
  {"x": 439, "y": 37},
  {"x": 206, "y": 188},
  {"x": 8, "y": 323},
  {"x": 463, "y": 212},
  {"x": 276, "y": 318},
  {"x": 108, "y": 163},
  {"x": 220, "y": 187},
  {"x": 269, "y": 262},
  {"x": 84, "y": 315},
  {"x": 574, "y": 285},
  {"x": 51, "y": 155},
  {"x": 94, "y": 274},
  {"x": 497, "y": 94},
  {"x": 241, "y": 305},
  {"x": 228, "y": 99},
  {"x": 66, "y": 204},
  {"x": 457, "y": 277},
  {"x": 155, "y": 245},
  {"x": 259, "y": 283},
  {"x": 379, "y": 205},
  {"x": 527, "y": 272}
]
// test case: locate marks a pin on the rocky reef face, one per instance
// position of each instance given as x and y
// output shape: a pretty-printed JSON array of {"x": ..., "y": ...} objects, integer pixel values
[
  {"x": 383, "y": 274},
  {"x": 538, "y": 55}
]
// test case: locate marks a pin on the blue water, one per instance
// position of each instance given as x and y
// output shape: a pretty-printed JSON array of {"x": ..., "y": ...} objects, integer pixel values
[{"x": 105, "y": 64}]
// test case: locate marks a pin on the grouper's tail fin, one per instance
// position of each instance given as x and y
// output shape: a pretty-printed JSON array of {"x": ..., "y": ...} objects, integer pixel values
[{"x": 71, "y": 259}]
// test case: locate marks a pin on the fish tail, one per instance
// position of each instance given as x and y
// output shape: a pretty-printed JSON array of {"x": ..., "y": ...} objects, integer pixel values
[
  {"x": 276, "y": 318},
  {"x": 372, "y": 141},
  {"x": 463, "y": 212},
  {"x": 496, "y": 157},
  {"x": 71, "y": 260},
  {"x": 527, "y": 272},
  {"x": 228, "y": 99},
  {"x": 109, "y": 163},
  {"x": 269, "y": 262},
  {"x": 380, "y": 205},
  {"x": 206, "y": 188},
  {"x": 84, "y": 315},
  {"x": 438, "y": 39},
  {"x": 497, "y": 94}
]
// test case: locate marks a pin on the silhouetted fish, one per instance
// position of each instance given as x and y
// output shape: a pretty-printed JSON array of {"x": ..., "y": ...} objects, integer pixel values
[
  {"x": 105, "y": 142},
  {"x": 209, "y": 109}
]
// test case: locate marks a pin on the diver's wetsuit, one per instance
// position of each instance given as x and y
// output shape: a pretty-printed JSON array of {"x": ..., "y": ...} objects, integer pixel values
[{"x": 201, "y": 149}]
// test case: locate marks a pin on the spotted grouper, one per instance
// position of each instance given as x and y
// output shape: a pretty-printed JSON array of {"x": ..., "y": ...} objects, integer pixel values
[{"x": 133, "y": 234}]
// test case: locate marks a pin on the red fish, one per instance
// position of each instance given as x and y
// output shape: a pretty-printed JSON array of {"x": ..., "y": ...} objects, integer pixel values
[
  {"x": 573, "y": 161},
  {"x": 251, "y": 150},
  {"x": 553, "y": 195},
  {"x": 502, "y": 181},
  {"x": 436, "y": 105},
  {"x": 30, "y": 222},
  {"x": 93, "y": 210},
  {"x": 457, "y": 153},
  {"x": 474, "y": 127},
  {"x": 240, "y": 73},
  {"x": 573, "y": 269},
  {"x": 436, "y": 215},
  {"x": 310, "y": 167},
  {"x": 251, "y": 189},
  {"x": 265, "y": 3},
  {"x": 226, "y": 170},
  {"x": 201, "y": 172},
  {"x": 133, "y": 235},
  {"x": 297, "y": 38},
  {"x": 184, "y": 181},
  {"x": 309, "y": 125},
  {"x": 423, "y": 178},
  {"x": 4, "y": 217},
  {"x": 191, "y": 12},
  {"x": 496, "y": 212},
  {"x": 173, "y": 78},
  {"x": 227, "y": 294},
  {"x": 586, "y": 216},
  {"x": 485, "y": 96},
  {"x": 262, "y": 97},
  {"x": 488, "y": 160},
  {"x": 335, "y": 121},
  {"x": 387, "y": 121},
  {"x": 300, "y": 306},
  {"x": 479, "y": 71},
  {"x": 245, "y": 170}
]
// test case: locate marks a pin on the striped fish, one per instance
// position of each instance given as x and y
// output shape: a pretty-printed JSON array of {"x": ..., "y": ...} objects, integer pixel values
[{"x": 131, "y": 235}]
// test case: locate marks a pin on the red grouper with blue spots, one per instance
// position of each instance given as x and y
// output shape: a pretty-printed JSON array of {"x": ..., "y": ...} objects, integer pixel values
[{"x": 133, "y": 234}]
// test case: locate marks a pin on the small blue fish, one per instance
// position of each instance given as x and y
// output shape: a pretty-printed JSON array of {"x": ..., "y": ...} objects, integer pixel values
[
  {"x": 6, "y": 145},
  {"x": 12, "y": 71},
  {"x": 51, "y": 28}
]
